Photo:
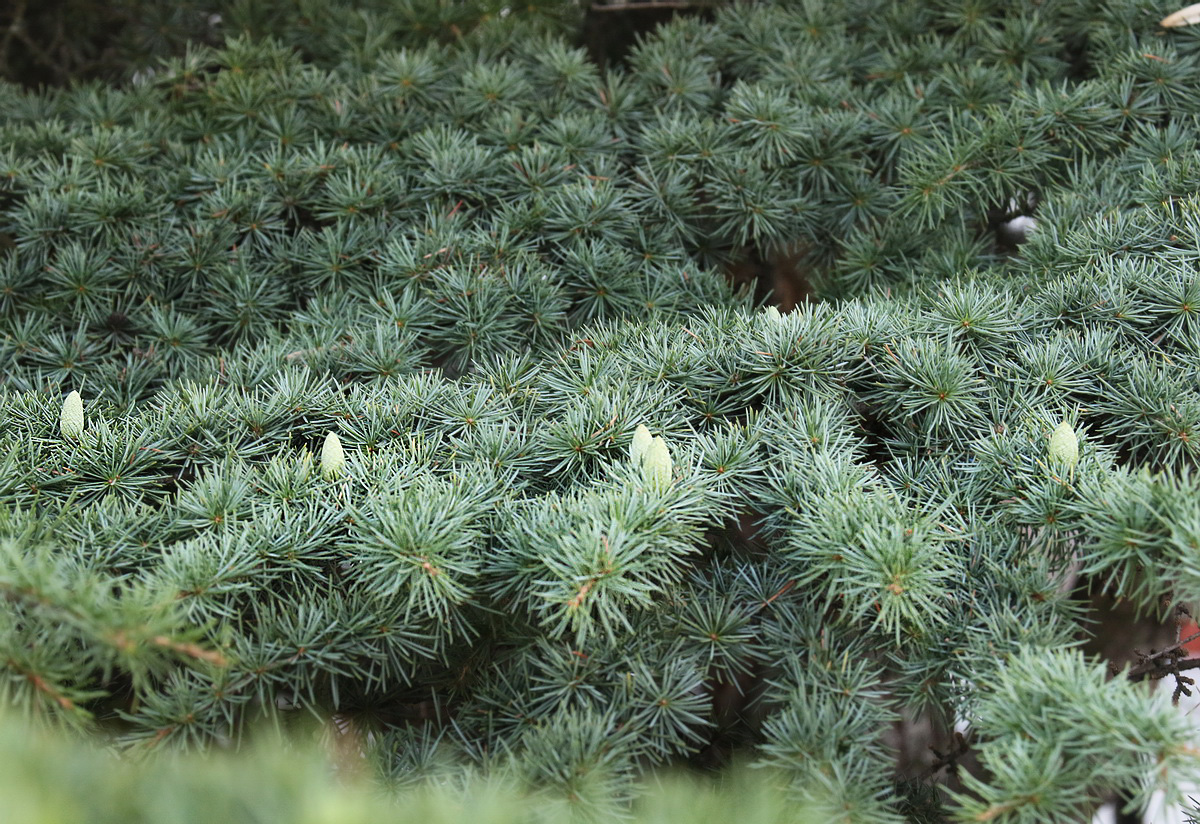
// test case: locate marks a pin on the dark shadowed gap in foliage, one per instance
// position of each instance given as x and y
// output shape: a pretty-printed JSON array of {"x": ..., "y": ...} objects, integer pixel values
[
  {"x": 611, "y": 29},
  {"x": 780, "y": 279},
  {"x": 57, "y": 42}
]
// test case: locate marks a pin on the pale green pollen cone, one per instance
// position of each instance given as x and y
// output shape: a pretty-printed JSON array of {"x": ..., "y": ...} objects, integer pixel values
[
  {"x": 641, "y": 442},
  {"x": 333, "y": 458},
  {"x": 70, "y": 420},
  {"x": 656, "y": 464},
  {"x": 1064, "y": 445}
]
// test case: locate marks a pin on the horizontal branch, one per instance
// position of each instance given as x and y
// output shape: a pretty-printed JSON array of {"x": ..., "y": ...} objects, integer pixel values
[{"x": 1155, "y": 669}]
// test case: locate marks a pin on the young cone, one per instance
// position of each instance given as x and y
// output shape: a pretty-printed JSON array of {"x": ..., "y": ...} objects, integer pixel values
[
  {"x": 656, "y": 464},
  {"x": 641, "y": 442},
  {"x": 333, "y": 458},
  {"x": 1064, "y": 445},
  {"x": 70, "y": 420}
]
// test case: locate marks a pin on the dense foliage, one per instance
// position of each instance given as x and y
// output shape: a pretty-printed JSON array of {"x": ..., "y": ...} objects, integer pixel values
[{"x": 483, "y": 265}]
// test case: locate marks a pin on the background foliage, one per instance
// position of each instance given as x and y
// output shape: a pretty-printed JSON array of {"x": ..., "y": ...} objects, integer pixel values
[{"x": 483, "y": 260}]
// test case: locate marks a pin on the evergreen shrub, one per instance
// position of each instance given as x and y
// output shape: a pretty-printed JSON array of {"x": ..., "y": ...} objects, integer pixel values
[{"x": 365, "y": 337}]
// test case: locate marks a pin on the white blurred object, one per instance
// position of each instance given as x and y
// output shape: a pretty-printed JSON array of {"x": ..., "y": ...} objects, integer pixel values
[
  {"x": 1184, "y": 17},
  {"x": 1158, "y": 813},
  {"x": 1021, "y": 226}
]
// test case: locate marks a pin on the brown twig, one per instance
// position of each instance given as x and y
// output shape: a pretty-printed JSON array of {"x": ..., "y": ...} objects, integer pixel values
[
  {"x": 1160, "y": 669},
  {"x": 1171, "y": 661},
  {"x": 192, "y": 650},
  {"x": 782, "y": 590},
  {"x": 42, "y": 685},
  {"x": 1169, "y": 650}
]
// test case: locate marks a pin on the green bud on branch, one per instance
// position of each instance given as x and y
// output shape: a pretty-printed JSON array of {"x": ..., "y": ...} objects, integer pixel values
[
  {"x": 656, "y": 463},
  {"x": 641, "y": 442},
  {"x": 1064, "y": 445},
  {"x": 333, "y": 458},
  {"x": 70, "y": 420}
]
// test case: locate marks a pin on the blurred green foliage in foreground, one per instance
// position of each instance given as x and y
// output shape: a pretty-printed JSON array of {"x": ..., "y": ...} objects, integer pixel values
[{"x": 48, "y": 779}]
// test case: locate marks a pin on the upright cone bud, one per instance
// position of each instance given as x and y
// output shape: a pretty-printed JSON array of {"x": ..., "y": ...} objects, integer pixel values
[
  {"x": 333, "y": 459},
  {"x": 656, "y": 464},
  {"x": 773, "y": 313},
  {"x": 1064, "y": 446},
  {"x": 641, "y": 442},
  {"x": 70, "y": 420}
]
